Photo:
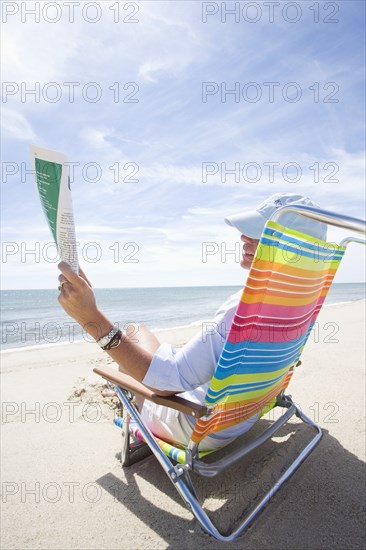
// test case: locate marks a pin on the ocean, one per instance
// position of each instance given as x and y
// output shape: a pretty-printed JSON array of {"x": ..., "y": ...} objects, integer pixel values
[{"x": 34, "y": 317}]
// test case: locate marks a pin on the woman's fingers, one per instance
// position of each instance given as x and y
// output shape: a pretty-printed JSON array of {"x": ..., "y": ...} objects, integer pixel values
[
  {"x": 63, "y": 283},
  {"x": 76, "y": 296},
  {"x": 68, "y": 273},
  {"x": 71, "y": 276},
  {"x": 82, "y": 274}
]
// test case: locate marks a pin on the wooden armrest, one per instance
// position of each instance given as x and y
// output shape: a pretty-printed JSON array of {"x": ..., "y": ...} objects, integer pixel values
[{"x": 173, "y": 401}]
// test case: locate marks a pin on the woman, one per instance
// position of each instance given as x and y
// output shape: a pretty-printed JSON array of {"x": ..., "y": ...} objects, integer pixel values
[{"x": 139, "y": 354}]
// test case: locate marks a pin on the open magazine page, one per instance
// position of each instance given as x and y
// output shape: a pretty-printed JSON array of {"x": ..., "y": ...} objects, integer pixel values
[{"x": 53, "y": 184}]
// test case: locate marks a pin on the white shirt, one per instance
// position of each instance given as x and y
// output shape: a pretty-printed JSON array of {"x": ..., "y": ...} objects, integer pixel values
[
  {"x": 190, "y": 370},
  {"x": 192, "y": 366}
]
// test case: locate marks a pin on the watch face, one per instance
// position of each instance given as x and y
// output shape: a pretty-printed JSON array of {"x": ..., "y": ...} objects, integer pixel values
[{"x": 105, "y": 339}]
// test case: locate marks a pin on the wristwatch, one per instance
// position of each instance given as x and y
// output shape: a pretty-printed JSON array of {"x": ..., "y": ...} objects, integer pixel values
[{"x": 104, "y": 341}]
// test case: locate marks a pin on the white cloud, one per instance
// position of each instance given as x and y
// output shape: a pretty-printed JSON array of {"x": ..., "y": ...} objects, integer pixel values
[{"x": 16, "y": 126}]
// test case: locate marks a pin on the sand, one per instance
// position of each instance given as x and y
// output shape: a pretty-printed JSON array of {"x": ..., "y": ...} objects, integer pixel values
[{"x": 63, "y": 486}]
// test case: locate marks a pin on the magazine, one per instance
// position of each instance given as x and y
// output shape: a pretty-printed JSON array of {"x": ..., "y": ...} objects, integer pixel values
[{"x": 53, "y": 185}]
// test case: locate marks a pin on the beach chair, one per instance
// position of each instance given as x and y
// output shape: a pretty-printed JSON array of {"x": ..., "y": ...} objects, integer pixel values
[{"x": 286, "y": 287}]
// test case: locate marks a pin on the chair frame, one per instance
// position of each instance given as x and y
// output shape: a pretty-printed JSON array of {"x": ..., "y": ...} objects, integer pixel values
[{"x": 178, "y": 473}]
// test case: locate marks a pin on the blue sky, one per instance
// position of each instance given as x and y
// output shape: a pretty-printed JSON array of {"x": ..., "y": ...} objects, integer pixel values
[{"x": 151, "y": 232}]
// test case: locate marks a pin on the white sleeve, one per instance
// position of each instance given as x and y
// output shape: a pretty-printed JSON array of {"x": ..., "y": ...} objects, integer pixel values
[
  {"x": 187, "y": 368},
  {"x": 193, "y": 365}
]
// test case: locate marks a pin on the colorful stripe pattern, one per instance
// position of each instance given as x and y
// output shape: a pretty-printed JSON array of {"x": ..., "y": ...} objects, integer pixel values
[
  {"x": 177, "y": 454},
  {"x": 286, "y": 287}
]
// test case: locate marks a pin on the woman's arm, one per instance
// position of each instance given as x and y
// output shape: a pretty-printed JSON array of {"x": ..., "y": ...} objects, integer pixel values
[{"x": 136, "y": 349}]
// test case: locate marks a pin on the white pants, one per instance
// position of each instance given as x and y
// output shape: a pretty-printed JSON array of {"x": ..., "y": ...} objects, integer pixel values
[{"x": 176, "y": 428}]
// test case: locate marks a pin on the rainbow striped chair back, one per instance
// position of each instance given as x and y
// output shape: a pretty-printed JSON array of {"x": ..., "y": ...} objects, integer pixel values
[
  {"x": 287, "y": 284},
  {"x": 286, "y": 287}
]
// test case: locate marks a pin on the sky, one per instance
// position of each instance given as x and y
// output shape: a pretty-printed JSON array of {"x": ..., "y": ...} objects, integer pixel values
[{"x": 175, "y": 114}]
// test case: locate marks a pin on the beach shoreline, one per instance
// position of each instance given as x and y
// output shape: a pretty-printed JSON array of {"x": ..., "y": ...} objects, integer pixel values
[
  {"x": 172, "y": 333},
  {"x": 88, "y": 340},
  {"x": 34, "y": 318},
  {"x": 63, "y": 486}
]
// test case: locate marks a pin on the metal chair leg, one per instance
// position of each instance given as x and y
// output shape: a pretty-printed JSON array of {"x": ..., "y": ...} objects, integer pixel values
[{"x": 131, "y": 451}]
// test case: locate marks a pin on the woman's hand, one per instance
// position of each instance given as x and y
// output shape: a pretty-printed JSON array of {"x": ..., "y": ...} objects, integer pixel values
[
  {"x": 78, "y": 300},
  {"x": 76, "y": 295}
]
